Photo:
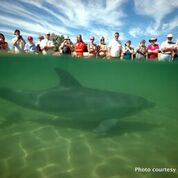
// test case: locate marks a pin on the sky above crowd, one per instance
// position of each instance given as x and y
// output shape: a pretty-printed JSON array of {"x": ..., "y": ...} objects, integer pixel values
[{"x": 133, "y": 19}]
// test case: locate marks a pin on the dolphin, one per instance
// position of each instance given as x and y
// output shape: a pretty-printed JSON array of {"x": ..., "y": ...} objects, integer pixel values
[{"x": 74, "y": 101}]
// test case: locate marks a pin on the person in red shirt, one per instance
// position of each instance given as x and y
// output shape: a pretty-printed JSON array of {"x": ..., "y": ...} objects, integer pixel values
[
  {"x": 153, "y": 49},
  {"x": 79, "y": 46}
]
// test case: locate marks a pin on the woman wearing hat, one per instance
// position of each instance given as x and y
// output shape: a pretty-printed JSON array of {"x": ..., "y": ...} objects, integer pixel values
[{"x": 153, "y": 49}]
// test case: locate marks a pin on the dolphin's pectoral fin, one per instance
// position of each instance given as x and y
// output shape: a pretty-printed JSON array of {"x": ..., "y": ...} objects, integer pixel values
[
  {"x": 105, "y": 126},
  {"x": 66, "y": 79}
]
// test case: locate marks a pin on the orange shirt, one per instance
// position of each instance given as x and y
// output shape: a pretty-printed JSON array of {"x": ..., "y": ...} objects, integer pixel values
[{"x": 79, "y": 48}]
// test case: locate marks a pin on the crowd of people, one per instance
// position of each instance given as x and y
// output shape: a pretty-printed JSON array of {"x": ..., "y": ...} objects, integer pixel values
[{"x": 167, "y": 51}]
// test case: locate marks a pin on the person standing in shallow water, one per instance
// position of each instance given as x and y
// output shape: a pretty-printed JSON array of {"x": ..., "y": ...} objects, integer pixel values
[
  {"x": 30, "y": 45},
  {"x": 3, "y": 44},
  {"x": 47, "y": 45},
  {"x": 92, "y": 48},
  {"x": 18, "y": 42},
  {"x": 153, "y": 49},
  {"x": 79, "y": 46},
  {"x": 128, "y": 51},
  {"x": 102, "y": 48},
  {"x": 38, "y": 48},
  {"x": 168, "y": 49},
  {"x": 66, "y": 46},
  {"x": 115, "y": 47},
  {"x": 141, "y": 51}
]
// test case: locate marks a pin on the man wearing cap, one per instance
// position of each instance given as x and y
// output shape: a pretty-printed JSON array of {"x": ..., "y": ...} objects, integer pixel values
[
  {"x": 168, "y": 49},
  {"x": 153, "y": 49},
  {"x": 18, "y": 42},
  {"x": 115, "y": 47},
  {"x": 30, "y": 46},
  {"x": 46, "y": 45}
]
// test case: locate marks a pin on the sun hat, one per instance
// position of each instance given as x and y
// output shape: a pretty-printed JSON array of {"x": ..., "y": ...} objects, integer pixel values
[
  {"x": 152, "y": 39},
  {"x": 169, "y": 35}
]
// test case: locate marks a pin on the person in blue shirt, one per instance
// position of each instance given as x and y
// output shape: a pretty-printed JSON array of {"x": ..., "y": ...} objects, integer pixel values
[{"x": 30, "y": 46}]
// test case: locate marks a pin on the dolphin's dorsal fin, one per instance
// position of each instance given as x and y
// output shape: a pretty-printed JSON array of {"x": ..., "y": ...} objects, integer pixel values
[{"x": 66, "y": 79}]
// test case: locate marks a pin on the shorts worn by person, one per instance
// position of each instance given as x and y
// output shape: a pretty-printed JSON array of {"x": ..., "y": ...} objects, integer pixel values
[
  {"x": 30, "y": 46},
  {"x": 18, "y": 42},
  {"x": 141, "y": 51},
  {"x": 3, "y": 44},
  {"x": 168, "y": 49},
  {"x": 79, "y": 46},
  {"x": 115, "y": 47},
  {"x": 47, "y": 45},
  {"x": 153, "y": 49}
]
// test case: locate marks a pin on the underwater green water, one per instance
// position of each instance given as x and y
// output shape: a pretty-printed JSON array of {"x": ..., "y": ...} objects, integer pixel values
[{"x": 39, "y": 144}]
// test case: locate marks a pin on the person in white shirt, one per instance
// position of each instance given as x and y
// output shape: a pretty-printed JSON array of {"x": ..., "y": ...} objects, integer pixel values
[
  {"x": 168, "y": 49},
  {"x": 115, "y": 47},
  {"x": 47, "y": 45},
  {"x": 18, "y": 42}
]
